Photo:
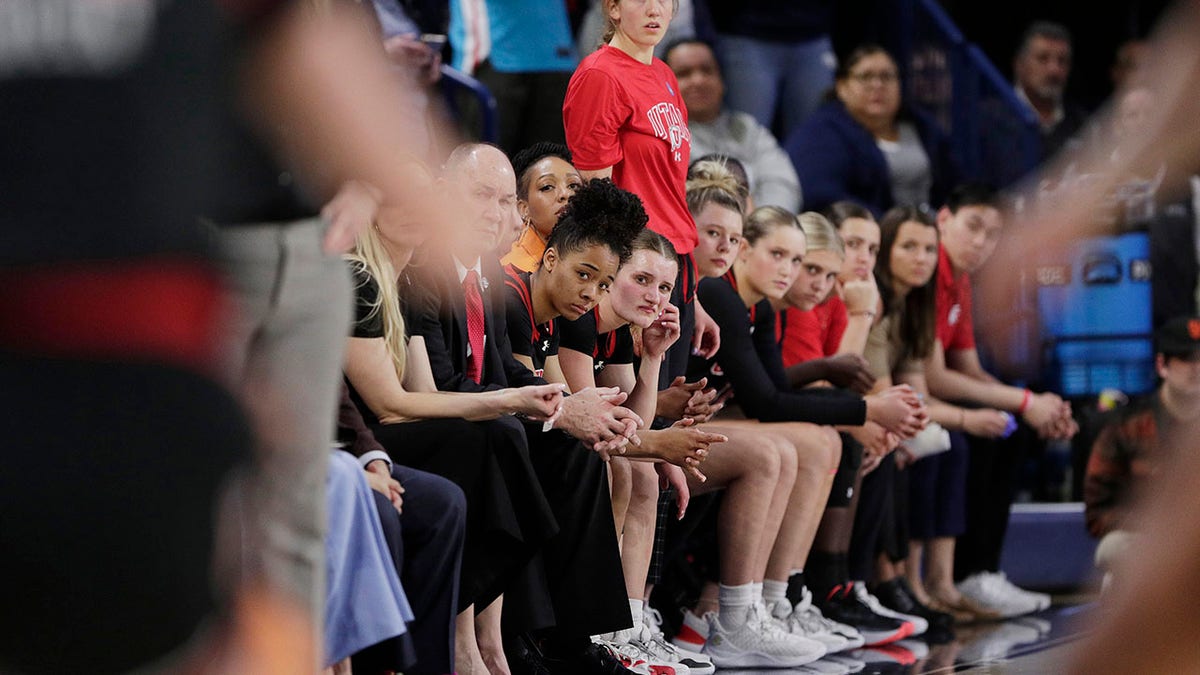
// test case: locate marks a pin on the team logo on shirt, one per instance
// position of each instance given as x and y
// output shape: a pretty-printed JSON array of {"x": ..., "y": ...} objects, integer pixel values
[
  {"x": 545, "y": 345},
  {"x": 667, "y": 121},
  {"x": 955, "y": 313}
]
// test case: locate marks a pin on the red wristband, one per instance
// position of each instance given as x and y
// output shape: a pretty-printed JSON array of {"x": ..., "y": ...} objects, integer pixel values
[{"x": 1025, "y": 401}]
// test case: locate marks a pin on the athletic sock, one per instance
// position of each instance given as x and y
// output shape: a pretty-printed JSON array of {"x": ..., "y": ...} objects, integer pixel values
[
  {"x": 774, "y": 591},
  {"x": 733, "y": 604},
  {"x": 636, "y": 608}
]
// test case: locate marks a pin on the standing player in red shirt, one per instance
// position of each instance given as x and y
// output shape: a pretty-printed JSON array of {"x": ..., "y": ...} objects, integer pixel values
[
  {"x": 970, "y": 226},
  {"x": 625, "y": 119}
]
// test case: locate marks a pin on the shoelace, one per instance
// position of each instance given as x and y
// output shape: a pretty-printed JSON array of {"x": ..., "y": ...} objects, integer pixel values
[{"x": 762, "y": 621}]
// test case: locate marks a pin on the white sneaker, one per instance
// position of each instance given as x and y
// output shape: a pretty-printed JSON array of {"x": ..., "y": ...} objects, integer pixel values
[
  {"x": 807, "y": 621},
  {"x": 656, "y": 643},
  {"x": 758, "y": 643},
  {"x": 628, "y": 655},
  {"x": 920, "y": 625},
  {"x": 693, "y": 633},
  {"x": 850, "y": 634},
  {"x": 637, "y": 658},
  {"x": 994, "y": 591}
]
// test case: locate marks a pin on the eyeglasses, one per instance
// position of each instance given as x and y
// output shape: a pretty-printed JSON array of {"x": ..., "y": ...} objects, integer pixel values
[{"x": 882, "y": 77}]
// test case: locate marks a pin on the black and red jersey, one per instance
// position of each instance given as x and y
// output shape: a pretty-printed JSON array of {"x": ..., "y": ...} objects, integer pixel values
[
  {"x": 612, "y": 348},
  {"x": 531, "y": 339}
]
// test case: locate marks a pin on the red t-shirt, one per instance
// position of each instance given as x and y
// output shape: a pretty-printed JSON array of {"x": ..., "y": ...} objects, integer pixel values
[
  {"x": 955, "y": 329},
  {"x": 812, "y": 334},
  {"x": 622, "y": 113}
]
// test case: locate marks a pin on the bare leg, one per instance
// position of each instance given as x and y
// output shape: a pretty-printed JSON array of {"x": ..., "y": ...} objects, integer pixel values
[
  {"x": 467, "y": 659},
  {"x": 487, "y": 633},
  {"x": 939, "y": 569},
  {"x": 620, "y": 485},
  {"x": 747, "y": 467},
  {"x": 638, "y": 540},
  {"x": 913, "y": 566}
]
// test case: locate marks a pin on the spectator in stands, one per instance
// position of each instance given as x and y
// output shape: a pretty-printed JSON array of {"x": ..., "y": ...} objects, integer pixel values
[
  {"x": 716, "y": 129},
  {"x": 1130, "y": 450},
  {"x": 862, "y": 145},
  {"x": 970, "y": 226},
  {"x": 1041, "y": 68},
  {"x": 546, "y": 179},
  {"x": 626, "y": 120},
  {"x": 524, "y": 53},
  {"x": 779, "y": 57},
  {"x": 426, "y": 543}
]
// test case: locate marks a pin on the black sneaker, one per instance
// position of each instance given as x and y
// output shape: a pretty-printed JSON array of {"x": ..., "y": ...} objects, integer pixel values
[
  {"x": 593, "y": 660},
  {"x": 524, "y": 656},
  {"x": 843, "y": 606},
  {"x": 898, "y": 596}
]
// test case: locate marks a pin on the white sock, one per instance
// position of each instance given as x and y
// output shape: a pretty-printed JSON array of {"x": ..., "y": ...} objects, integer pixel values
[
  {"x": 635, "y": 610},
  {"x": 774, "y": 591},
  {"x": 757, "y": 586},
  {"x": 733, "y": 604}
]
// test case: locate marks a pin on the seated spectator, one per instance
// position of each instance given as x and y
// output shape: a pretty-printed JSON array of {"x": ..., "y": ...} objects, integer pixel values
[
  {"x": 365, "y": 603},
  {"x": 779, "y": 56},
  {"x": 546, "y": 179},
  {"x": 864, "y": 146},
  {"x": 1132, "y": 448},
  {"x": 426, "y": 545},
  {"x": 1041, "y": 68},
  {"x": 524, "y": 53},
  {"x": 718, "y": 129},
  {"x": 970, "y": 226}
]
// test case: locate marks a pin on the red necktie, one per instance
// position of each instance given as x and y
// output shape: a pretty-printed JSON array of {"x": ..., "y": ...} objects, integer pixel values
[{"x": 474, "y": 325}]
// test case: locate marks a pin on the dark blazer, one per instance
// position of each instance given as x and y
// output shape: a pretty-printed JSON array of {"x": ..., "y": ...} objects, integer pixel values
[
  {"x": 436, "y": 310},
  {"x": 836, "y": 158}
]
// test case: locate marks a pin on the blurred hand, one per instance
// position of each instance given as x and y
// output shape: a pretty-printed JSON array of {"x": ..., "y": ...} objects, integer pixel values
[
  {"x": 849, "y": 371},
  {"x": 899, "y": 410},
  {"x": 409, "y": 51},
  {"x": 379, "y": 477},
  {"x": 860, "y": 295},
  {"x": 985, "y": 422},
  {"x": 351, "y": 211}
]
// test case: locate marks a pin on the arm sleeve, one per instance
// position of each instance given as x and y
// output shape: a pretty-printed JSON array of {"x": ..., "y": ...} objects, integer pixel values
[
  {"x": 775, "y": 182},
  {"x": 427, "y": 310},
  {"x": 964, "y": 332},
  {"x": 594, "y": 110},
  {"x": 579, "y": 335},
  {"x": 353, "y": 430},
  {"x": 838, "y": 319},
  {"x": 822, "y": 163},
  {"x": 1105, "y": 483},
  {"x": 520, "y": 329},
  {"x": 755, "y": 388}
]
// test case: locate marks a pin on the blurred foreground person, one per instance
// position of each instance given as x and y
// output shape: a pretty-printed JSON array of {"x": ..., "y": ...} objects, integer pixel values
[
  {"x": 114, "y": 315},
  {"x": 1156, "y": 610}
]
